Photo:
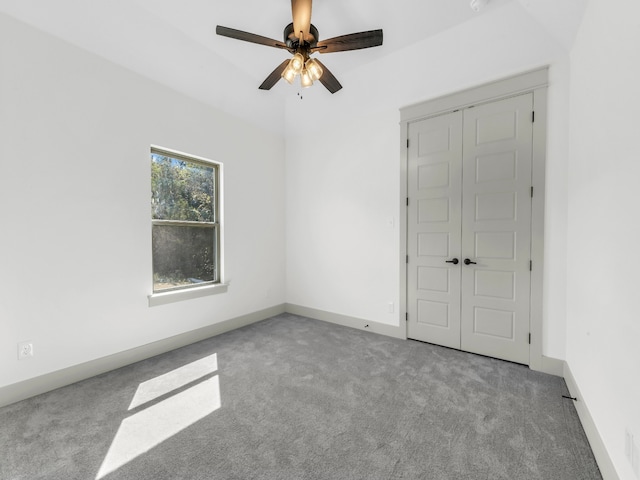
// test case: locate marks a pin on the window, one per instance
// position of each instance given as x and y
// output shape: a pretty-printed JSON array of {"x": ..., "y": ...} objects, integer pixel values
[{"x": 185, "y": 221}]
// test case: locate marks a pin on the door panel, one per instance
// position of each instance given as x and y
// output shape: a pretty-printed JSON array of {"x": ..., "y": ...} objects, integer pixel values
[
  {"x": 494, "y": 323},
  {"x": 494, "y": 284},
  {"x": 434, "y": 219},
  {"x": 496, "y": 229},
  {"x": 499, "y": 245}
]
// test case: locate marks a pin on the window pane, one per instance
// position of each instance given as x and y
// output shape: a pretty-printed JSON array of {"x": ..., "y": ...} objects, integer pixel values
[
  {"x": 181, "y": 190},
  {"x": 183, "y": 256}
]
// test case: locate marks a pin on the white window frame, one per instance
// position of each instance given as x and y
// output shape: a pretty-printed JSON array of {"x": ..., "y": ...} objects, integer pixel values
[{"x": 197, "y": 290}]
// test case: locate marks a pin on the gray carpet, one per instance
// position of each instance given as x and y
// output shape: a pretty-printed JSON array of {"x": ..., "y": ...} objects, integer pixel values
[{"x": 293, "y": 398}]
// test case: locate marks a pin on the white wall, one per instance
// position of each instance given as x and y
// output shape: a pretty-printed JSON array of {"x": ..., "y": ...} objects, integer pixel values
[
  {"x": 603, "y": 338},
  {"x": 75, "y": 263},
  {"x": 342, "y": 216},
  {"x": 145, "y": 43},
  {"x": 343, "y": 165}
]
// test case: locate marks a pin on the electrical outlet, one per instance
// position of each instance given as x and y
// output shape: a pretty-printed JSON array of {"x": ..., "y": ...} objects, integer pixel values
[
  {"x": 25, "y": 350},
  {"x": 390, "y": 307}
]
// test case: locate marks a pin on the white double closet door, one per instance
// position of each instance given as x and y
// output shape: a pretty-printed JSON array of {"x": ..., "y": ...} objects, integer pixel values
[{"x": 469, "y": 229}]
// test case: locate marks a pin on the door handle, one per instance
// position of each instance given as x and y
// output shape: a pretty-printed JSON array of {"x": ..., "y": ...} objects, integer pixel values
[
  {"x": 469, "y": 262},
  {"x": 454, "y": 261}
]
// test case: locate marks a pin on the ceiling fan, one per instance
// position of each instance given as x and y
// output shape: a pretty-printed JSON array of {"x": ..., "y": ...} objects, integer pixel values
[{"x": 301, "y": 39}]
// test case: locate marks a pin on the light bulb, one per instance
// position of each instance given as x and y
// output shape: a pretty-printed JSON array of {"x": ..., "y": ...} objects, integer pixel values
[
  {"x": 305, "y": 79},
  {"x": 314, "y": 69},
  {"x": 297, "y": 63}
]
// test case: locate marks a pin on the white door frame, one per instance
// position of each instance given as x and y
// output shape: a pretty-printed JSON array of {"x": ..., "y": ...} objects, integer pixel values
[{"x": 535, "y": 82}]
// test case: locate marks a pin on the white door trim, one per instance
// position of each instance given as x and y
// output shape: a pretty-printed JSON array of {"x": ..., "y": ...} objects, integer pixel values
[{"x": 535, "y": 82}]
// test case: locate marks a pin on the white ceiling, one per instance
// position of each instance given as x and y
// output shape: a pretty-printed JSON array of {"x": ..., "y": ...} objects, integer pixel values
[
  {"x": 174, "y": 41},
  {"x": 331, "y": 17}
]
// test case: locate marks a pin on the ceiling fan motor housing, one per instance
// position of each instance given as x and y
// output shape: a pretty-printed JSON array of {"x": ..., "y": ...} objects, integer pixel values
[{"x": 293, "y": 41}]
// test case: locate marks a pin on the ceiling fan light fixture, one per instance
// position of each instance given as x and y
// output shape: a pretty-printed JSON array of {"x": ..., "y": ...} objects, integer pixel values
[
  {"x": 314, "y": 69},
  {"x": 305, "y": 79}
]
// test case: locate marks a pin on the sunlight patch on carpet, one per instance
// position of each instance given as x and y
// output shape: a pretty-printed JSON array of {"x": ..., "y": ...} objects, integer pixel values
[
  {"x": 155, "y": 424},
  {"x": 173, "y": 380}
]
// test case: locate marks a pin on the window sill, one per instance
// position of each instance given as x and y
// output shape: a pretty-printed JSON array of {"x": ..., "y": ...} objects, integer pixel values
[{"x": 156, "y": 299}]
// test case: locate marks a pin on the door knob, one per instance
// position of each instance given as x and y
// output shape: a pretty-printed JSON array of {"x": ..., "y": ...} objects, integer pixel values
[
  {"x": 469, "y": 262},
  {"x": 454, "y": 261}
]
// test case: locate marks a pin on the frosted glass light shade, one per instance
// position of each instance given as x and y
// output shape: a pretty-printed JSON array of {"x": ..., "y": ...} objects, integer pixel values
[
  {"x": 314, "y": 69},
  {"x": 297, "y": 63},
  {"x": 289, "y": 73},
  {"x": 305, "y": 79}
]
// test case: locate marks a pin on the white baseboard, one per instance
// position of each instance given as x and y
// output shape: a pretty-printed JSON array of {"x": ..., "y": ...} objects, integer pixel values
[
  {"x": 44, "y": 383},
  {"x": 61, "y": 378},
  {"x": 552, "y": 366},
  {"x": 605, "y": 464},
  {"x": 347, "y": 321}
]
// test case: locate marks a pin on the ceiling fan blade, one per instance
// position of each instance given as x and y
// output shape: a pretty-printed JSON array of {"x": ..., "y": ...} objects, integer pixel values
[
  {"x": 301, "y": 12},
  {"x": 328, "y": 80},
  {"x": 353, "y": 41},
  {"x": 249, "y": 37},
  {"x": 273, "y": 78}
]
